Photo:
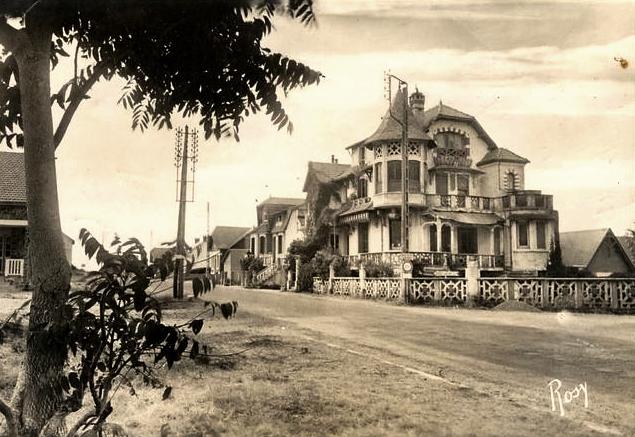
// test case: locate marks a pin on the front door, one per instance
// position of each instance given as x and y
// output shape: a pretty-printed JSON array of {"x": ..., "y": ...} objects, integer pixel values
[{"x": 468, "y": 239}]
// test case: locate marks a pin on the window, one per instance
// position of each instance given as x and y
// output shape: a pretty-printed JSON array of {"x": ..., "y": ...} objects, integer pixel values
[
  {"x": 433, "y": 238},
  {"x": 441, "y": 183},
  {"x": 451, "y": 140},
  {"x": 378, "y": 177},
  {"x": 463, "y": 185},
  {"x": 394, "y": 176},
  {"x": 452, "y": 178},
  {"x": 523, "y": 234},
  {"x": 335, "y": 241},
  {"x": 261, "y": 245},
  {"x": 541, "y": 239},
  {"x": 253, "y": 245},
  {"x": 362, "y": 187},
  {"x": 362, "y": 155},
  {"x": 446, "y": 239},
  {"x": 511, "y": 180},
  {"x": 362, "y": 238},
  {"x": 395, "y": 234},
  {"x": 414, "y": 176},
  {"x": 280, "y": 244}
]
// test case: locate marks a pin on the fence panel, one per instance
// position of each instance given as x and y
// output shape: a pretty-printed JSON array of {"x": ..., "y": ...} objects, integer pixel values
[{"x": 422, "y": 291}]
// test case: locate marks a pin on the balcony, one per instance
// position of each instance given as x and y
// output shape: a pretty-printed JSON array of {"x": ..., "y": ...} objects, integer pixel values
[
  {"x": 429, "y": 259},
  {"x": 459, "y": 158},
  {"x": 468, "y": 203},
  {"x": 527, "y": 200}
]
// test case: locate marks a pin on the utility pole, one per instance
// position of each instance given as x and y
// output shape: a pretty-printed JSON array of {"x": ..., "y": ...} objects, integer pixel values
[
  {"x": 207, "y": 246},
  {"x": 402, "y": 87},
  {"x": 183, "y": 158}
]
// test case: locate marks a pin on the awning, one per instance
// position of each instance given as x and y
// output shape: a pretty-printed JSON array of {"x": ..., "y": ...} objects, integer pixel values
[
  {"x": 361, "y": 217},
  {"x": 468, "y": 218}
]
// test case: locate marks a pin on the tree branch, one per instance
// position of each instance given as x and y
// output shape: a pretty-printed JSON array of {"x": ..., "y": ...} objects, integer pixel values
[
  {"x": 7, "y": 412},
  {"x": 10, "y": 37},
  {"x": 79, "y": 95}
]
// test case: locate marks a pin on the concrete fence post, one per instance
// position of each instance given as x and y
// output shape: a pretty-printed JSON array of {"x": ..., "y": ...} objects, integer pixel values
[
  {"x": 544, "y": 297},
  {"x": 288, "y": 286},
  {"x": 362, "y": 279},
  {"x": 614, "y": 297},
  {"x": 578, "y": 295},
  {"x": 511, "y": 290},
  {"x": 296, "y": 286},
  {"x": 471, "y": 275},
  {"x": 331, "y": 277}
]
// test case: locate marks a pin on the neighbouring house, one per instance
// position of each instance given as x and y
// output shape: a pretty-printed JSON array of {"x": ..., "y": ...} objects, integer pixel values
[
  {"x": 221, "y": 252},
  {"x": 597, "y": 251},
  {"x": 466, "y": 197},
  {"x": 280, "y": 221},
  {"x": 14, "y": 226}
]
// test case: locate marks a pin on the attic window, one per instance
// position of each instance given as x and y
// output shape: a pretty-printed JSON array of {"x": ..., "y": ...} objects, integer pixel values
[{"x": 451, "y": 140}]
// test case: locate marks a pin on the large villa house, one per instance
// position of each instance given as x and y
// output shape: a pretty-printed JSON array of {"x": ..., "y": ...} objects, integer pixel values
[{"x": 466, "y": 196}]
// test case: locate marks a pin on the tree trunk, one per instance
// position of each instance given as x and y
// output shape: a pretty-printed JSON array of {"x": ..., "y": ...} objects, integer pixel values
[{"x": 50, "y": 272}]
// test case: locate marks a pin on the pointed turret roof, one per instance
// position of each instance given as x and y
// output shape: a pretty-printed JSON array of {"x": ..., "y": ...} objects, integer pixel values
[{"x": 390, "y": 130}]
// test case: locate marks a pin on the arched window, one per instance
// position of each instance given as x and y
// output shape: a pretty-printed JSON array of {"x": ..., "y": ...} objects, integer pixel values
[
  {"x": 433, "y": 238},
  {"x": 512, "y": 180},
  {"x": 362, "y": 188}
]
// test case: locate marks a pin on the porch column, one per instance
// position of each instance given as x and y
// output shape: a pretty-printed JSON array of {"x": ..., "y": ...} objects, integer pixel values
[
  {"x": 454, "y": 244},
  {"x": 439, "y": 229},
  {"x": 492, "y": 240}
]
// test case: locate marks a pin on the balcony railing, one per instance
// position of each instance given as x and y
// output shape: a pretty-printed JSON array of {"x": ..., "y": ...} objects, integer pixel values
[
  {"x": 429, "y": 259},
  {"x": 527, "y": 200},
  {"x": 452, "y": 158},
  {"x": 455, "y": 201}
]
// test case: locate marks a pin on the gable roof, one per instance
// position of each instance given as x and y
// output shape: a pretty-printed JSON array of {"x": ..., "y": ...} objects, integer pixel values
[
  {"x": 12, "y": 178},
  {"x": 224, "y": 237},
  {"x": 390, "y": 130},
  {"x": 445, "y": 112},
  {"x": 501, "y": 155},
  {"x": 579, "y": 247},
  {"x": 325, "y": 172}
]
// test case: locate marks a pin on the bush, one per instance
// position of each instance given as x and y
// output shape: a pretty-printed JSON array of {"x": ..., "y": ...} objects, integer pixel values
[
  {"x": 379, "y": 270},
  {"x": 113, "y": 328}
]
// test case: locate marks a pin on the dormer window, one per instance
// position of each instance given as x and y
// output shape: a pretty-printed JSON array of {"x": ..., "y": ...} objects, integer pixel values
[{"x": 451, "y": 140}]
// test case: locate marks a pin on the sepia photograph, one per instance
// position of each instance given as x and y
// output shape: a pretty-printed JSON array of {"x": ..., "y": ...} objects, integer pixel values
[{"x": 317, "y": 218}]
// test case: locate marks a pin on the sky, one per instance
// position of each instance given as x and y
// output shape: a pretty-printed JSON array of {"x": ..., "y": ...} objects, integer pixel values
[{"x": 540, "y": 76}]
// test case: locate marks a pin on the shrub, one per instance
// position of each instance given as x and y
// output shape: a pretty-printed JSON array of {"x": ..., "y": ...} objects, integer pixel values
[
  {"x": 113, "y": 329},
  {"x": 379, "y": 270}
]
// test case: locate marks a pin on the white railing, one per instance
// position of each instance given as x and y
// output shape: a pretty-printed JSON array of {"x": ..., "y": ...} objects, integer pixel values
[
  {"x": 586, "y": 294},
  {"x": 13, "y": 267},
  {"x": 574, "y": 293},
  {"x": 266, "y": 273}
]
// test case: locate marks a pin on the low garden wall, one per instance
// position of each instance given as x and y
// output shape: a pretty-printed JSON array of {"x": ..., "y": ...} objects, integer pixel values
[{"x": 584, "y": 294}]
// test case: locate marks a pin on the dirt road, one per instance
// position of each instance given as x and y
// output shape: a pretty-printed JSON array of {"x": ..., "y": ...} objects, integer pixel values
[{"x": 505, "y": 355}]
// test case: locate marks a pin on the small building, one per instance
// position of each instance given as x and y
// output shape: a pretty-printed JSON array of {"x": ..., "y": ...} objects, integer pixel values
[
  {"x": 597, "y": 251},
  {"x": 221, "y": 252},
  {"x": 14, "y": 226}
]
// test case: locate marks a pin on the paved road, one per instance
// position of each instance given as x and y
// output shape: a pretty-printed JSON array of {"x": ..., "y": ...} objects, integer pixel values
[{"x": 513, "y": 355}]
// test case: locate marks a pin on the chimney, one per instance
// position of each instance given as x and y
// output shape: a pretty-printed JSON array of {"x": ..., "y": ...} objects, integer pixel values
[
  {"x": 333, "y": 160},
  {"x": 417, "y": 102}
]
